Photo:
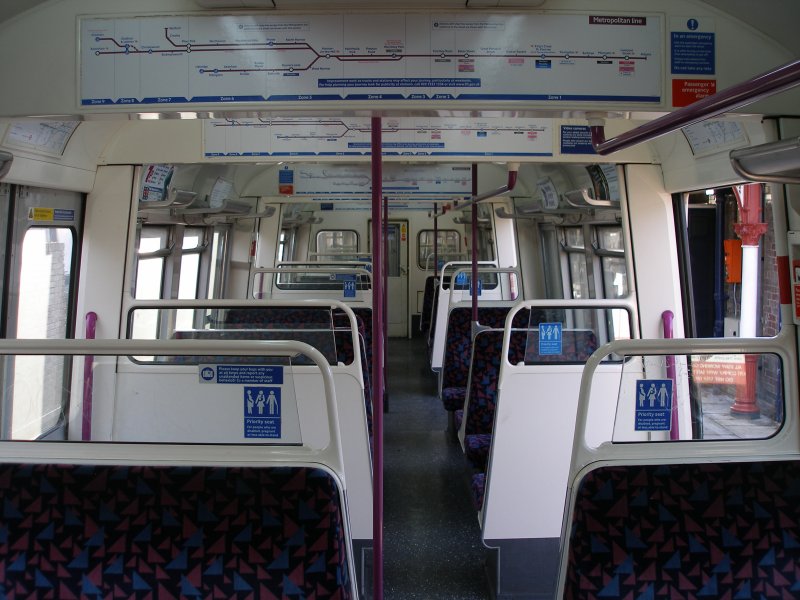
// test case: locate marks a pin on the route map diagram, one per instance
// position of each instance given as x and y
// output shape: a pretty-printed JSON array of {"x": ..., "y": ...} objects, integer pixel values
[
  {"x": 354, "y": 182},
  {"x": 375, "y": 57},
  {"x": 350, "y": 136}
]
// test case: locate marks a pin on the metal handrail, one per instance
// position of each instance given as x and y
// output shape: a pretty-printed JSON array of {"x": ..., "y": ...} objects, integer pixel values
[{"x": 761, "y": 86}]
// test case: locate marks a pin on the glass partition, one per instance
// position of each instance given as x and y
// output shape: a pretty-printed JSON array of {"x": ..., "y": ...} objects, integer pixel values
[
  {"x": 700, "y": 397},
  {"x": 344, "y": 279},
  {"x": 571, "y": 335},
  {"x": 222, "y": 399},
  {"x": 311, "y": 325}
]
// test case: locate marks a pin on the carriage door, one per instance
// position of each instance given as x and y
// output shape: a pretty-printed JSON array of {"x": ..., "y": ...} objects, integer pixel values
[
  {"x": 397, "y": 277},
  {"x": 45, "y": 239}
]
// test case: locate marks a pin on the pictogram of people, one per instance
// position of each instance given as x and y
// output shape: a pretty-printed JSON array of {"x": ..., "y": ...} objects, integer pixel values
[{"x": 272, "y": 403}]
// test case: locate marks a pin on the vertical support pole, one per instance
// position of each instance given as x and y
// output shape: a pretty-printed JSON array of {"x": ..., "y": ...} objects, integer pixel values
[
  {"x": 674, "y": 430},
  {"x": 435, "y": 240},
  {"x": 88, "y": 380},
  {"x": 377, "y": 361},
  {"x": 749, "y": 229},
  {"x": 719, "y": 299},
  {"x": 474, "y": 247},
  {"x": 385, "y": 293}
]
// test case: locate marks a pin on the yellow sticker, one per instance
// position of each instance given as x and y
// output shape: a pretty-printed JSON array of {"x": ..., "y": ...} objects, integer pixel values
[{"x": 41, "y": 214}]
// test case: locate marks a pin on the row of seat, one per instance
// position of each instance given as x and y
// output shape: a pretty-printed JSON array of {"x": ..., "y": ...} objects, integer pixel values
[
  {"x": 113, "y": 531},
  {"x": 695, "y": 518},
  {"x": 108, "y": 520},
  {"x": 471, "y": 371},
  {"x": 328, "y": 330}
]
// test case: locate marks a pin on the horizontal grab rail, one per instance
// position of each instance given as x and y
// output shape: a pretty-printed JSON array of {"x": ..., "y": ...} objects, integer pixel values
[
  {"x": 583, "y": 454},
  {"x": 761, "y": 86},
  {"x": 273, "y": 348}
]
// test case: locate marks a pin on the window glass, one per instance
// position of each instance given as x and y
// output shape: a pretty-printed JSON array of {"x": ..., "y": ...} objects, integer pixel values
[
  {"x": 612, "y": 259},
  {"x": 448, "y": 247},
  {"x": 189, "y": 276},
  {"x": 45, "y": 283},
  {"x": 552, "y": 262},
  {"x": 578, "y": 276},
  {"x": 149, "y": 282},
  {"x": 216, "y": 267},
  {"x": 150, "y": 268},
  {"x": 341, "y": 244},
  {"x": 576, "y": 260}
]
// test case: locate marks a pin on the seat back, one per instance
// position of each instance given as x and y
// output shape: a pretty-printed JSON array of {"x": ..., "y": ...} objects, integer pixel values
[
  {"x": 705, "y": 530},
  {"x": 100, "y": 530},
  {"x": 458, "y": 346},
  {"x": 484, "y": 374},
  {"x": 427, "y": 303}
]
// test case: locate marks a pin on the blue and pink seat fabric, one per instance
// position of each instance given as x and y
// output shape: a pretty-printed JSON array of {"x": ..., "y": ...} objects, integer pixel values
[
  {"x": 100, "y": 531},
  {"x": 458, "y": 348},
  {"x": 686, "y": 532}
]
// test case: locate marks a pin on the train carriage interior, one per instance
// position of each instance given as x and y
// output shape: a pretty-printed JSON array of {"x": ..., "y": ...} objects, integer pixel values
[{"x": 474, "y": 299}]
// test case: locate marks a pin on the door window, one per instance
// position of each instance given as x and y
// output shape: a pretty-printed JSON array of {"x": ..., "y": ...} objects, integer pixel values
[{"x": 44, "y": 296}]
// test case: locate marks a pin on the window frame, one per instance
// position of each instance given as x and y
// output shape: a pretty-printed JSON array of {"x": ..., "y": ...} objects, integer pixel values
[{"x": 423, "y": 260}]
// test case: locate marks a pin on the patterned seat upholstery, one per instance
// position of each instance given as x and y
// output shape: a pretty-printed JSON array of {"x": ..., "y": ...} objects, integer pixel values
[
  {"x": 485, "y": 373},
  {"x": 364, "y": 317},
  {"x": 427, "y": 303},
  {"x": 278, "y": 317},
  {"x": 478, "y": 490},
  {"x": 90, "y": 531},
  {"x": 455, "y": 362},
  {"x": 321, "y": 340},
  {"x": 707, "y": 530},
  {"x": 458, "y": 349},
  {"x": 476, "y": 449},
  {"x": 453, "y": 397}
]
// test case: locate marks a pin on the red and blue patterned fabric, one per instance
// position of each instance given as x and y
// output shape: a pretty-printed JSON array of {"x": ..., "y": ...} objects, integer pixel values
[
  {"x": 484, "y": 376},
  {"x": 427, "y": 303},
  {"x": 686, "y": 532},
  {"x": 365, "y": 316},
  {"x": 458, "y": 348},
  {"x": 278, "y": 317},
  {"x": 101, "y": 532},
  {"x": 455, "y": 362},
  {"x": 321, "y": 340},
  {"x": 478, "y": 490},
  {"x": 476, "y": 449}
]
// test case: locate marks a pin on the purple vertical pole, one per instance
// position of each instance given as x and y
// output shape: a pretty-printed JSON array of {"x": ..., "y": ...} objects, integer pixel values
[
  {"x": 674, "y": 431},
  {"x": 474, "y": 245},
  {"x": 435, "y": 241},
  {"x": 377, "y": 363},
  {"x": 385, "y": 273},
  {"x": 88, "y": 380}
]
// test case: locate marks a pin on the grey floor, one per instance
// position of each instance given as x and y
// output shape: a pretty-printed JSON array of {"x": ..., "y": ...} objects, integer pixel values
[{"x": 432, "y": 544}]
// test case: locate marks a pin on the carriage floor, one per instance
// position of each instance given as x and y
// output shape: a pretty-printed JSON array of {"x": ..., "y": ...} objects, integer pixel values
[{"x": 432, "y": 545}]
